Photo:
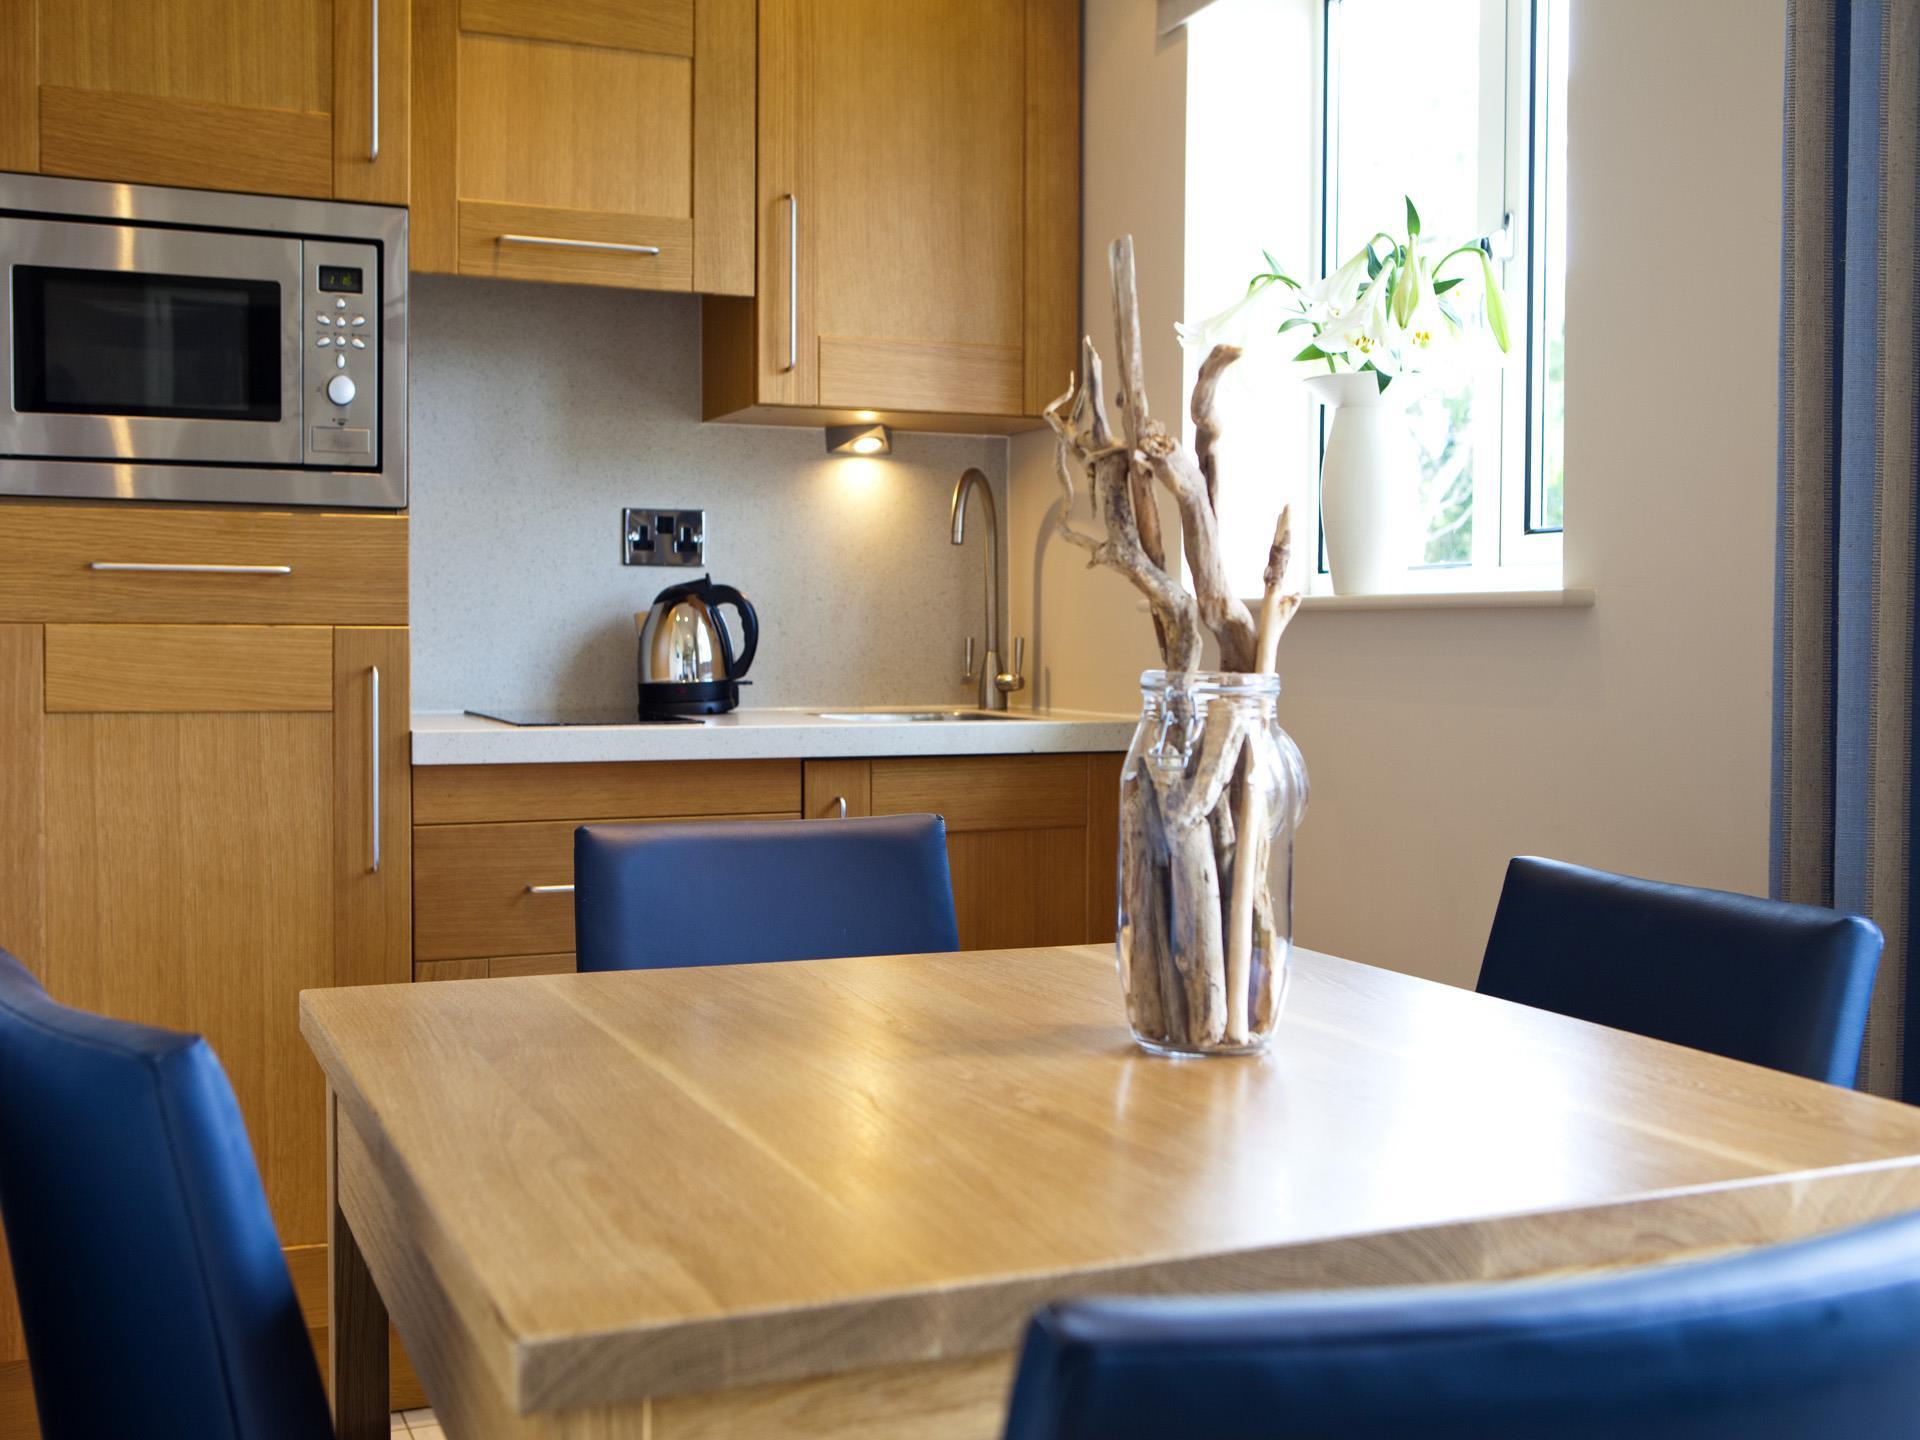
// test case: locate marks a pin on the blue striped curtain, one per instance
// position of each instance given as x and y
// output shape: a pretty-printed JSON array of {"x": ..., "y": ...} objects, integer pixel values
[{"x": 1844, "y": 809}]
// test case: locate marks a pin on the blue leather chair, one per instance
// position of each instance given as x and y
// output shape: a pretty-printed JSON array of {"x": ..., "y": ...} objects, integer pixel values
[
  {"x": 155, "y": 1296},
  {"x": 1798, "y": 1342},
  {"x": 740, "y": 892},
  {"x": 1780, "y": 985}
]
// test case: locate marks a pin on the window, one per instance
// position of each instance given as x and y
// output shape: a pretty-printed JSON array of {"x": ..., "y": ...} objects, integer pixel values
[{"x": 1308, "y": 121}]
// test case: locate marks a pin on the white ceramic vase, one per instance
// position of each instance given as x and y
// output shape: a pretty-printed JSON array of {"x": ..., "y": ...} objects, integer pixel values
[{"x": 1367, "y": 483}]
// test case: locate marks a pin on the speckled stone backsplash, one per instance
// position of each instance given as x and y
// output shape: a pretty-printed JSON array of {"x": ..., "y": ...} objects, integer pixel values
[{"x": 539, "y": 411}]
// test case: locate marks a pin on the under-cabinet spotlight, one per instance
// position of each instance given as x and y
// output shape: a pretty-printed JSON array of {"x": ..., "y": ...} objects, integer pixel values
[{"x": 859, "y": 440}]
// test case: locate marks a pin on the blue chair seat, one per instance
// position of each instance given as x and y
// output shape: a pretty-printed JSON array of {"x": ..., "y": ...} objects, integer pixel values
[
  {"x": 1781, "y": 985},
  {"x": 749, "y": 891},
  {"x": 154, "y": 1294}
]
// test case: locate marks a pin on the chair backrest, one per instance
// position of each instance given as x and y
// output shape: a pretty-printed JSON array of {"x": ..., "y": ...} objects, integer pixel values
[
  {"x": 743, "y": 891},
  {"x": 1797, "y": 1342},
  {"x": 1759, "y": 980},
  {"x": 154, "y": 1293}
]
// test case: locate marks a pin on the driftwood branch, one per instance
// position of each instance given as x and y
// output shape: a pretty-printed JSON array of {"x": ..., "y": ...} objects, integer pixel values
[
  {"x": 1108, "y": 465},
  {"x": 1202, "y": 960},
  {"x": 1206, "y": 422},
  {"x": 1277, "y": 603}
]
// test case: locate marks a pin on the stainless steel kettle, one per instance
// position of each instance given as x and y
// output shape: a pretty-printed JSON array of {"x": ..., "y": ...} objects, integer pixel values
[{"x": 687, "y": 664}]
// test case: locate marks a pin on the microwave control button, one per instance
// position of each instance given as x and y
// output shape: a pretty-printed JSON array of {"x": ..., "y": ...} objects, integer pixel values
[
  {"x": 358, "y": 343},
  {"x": 358, "y": 321},
  {"x": 339, "y": 304},
  {"x": 340, "y": 362},
  {"x": 340, "y": 389},
  {"x": 324, "y": 319},
  {"x": 324, "y": 341}
]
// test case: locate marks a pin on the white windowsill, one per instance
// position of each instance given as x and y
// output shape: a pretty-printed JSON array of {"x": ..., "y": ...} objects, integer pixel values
[
  {"x": 1535, "y": 591},
  {"x": 1545, "y": 598}
]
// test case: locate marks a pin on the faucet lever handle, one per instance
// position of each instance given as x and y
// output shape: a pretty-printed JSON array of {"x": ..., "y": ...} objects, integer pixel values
[
  {"x": 970, "y": 675},
  {"x": 1008, "y": 681}
]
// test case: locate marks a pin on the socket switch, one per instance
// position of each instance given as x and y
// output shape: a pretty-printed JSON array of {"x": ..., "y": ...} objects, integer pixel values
[{"x": 653, "y": 536}]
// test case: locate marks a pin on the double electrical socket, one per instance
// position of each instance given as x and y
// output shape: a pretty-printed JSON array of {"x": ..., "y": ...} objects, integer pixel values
[{"x": 652, "y": 536}]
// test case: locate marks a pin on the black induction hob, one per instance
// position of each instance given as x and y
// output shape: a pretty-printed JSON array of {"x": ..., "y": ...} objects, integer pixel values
[{"x": 537, "y": 718}]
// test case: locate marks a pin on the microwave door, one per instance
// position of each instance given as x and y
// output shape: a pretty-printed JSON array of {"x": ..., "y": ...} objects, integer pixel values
[{"x": 122, "y": 343}]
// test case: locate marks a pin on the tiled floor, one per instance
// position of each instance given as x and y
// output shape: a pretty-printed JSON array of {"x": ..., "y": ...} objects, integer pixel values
[{"x": 417, "y": 1424}]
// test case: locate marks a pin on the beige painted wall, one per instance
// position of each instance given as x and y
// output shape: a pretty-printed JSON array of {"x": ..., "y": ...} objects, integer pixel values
[{"x": 1633, "y": 736}]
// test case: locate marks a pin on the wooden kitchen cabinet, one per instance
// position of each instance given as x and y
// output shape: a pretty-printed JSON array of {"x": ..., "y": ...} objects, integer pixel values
[
  {"x": 918, "y": 212},
  {"x": 188, "y": 811},
  {"x": 493, "y": 848},
  {"x": 595, "y": 142},
  {"x": 1032, "y": 840},
  {"x": 282, "y": 97}
]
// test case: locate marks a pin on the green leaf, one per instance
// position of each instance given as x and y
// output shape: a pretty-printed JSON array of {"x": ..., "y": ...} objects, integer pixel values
[
  {"x": 1385, "y": 380},
  {"x": 1496, "y": 305},
  {"x": 1313, "y": 352},
  {"x": 1440, "y": 287},
  {"x": 1286, "y": 325},
  {"x": 1413, "y": 220},
  {"x": 1374, "y": 267}
]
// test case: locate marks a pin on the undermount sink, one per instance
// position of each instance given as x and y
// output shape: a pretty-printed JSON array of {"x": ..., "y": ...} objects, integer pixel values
[{"x": 904, "y": 717}]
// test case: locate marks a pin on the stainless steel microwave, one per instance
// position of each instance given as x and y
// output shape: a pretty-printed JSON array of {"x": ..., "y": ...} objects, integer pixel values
[{"x": 161, "y": 344}]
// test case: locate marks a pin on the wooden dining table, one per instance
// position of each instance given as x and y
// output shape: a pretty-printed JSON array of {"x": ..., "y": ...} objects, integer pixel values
[{"x": 823, "y": 1199}]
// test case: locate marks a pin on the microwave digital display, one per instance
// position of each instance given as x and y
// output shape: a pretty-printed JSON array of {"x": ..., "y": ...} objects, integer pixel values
[{"x": 341, "y": 279}]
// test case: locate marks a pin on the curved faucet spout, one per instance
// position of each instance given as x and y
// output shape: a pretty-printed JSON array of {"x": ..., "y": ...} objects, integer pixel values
[{"x": 974, "y": 482}]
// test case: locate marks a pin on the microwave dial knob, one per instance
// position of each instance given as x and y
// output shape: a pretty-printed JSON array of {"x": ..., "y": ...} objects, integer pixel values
[{"x": 340, "y": 390}]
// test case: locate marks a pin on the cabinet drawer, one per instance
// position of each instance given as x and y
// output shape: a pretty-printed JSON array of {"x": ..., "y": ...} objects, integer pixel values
[
  {"x": 474, "y": 892},
  {"x": 131, "y": 563},
  {"x": 497, "y": 967},
  {"x": 986, "y": 792},
  {"x": 653, "y": 789}
]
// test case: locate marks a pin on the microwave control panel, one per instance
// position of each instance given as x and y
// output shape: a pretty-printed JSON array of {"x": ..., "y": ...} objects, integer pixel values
[{"x": 341, "y": 389}]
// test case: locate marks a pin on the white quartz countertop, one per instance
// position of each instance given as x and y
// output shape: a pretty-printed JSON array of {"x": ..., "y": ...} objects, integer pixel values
[{"x": 445, "y": 738}]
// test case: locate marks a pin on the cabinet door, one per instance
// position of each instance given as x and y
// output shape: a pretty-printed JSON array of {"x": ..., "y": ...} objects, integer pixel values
[
  {"x": 918, "y": 204},
  {"x": 1030, "y": 838},
  {"x": 284, "y": 97},
  {"x": 586, "y": 141},
  {"x": 205, "y": 804}
]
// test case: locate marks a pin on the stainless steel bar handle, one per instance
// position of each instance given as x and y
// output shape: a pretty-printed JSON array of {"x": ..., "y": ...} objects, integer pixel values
[
  {"x": 373, "y": 744},
  {"x": 373, "y": 149},
  {"x": 840, "y": 807},
  {"x": 147, "y": 567},
  {"x": 793, "y": 282},
  {"x": 558, "y": 243},
  {"x": 549, "y": 889}
]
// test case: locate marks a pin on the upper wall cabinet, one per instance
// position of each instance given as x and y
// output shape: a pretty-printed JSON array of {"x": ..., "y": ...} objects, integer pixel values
[
  {"x": 600, "y": 142},
  {"x": 918, "y": 216},
  {"x": 283, "y": 97}
]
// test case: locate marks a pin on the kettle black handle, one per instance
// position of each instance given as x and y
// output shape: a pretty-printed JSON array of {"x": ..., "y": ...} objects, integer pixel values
[{"x": 749, "y": 624}]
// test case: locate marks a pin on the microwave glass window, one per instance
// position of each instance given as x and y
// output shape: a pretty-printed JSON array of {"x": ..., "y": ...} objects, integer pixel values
[{"x": 108, "y": 342}]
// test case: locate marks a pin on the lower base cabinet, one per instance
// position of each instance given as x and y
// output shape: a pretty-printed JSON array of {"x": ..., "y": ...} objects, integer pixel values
[
  {"x": 1032, "y": 841},
  {"x": 193, "y": 829}
]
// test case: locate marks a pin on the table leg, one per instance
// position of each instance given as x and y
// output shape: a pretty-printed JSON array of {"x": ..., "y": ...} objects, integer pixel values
[{"x": 356, "y": 1319}]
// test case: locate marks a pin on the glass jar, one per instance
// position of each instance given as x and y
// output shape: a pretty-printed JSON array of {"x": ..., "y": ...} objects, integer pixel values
[{"x": 1210, "y": 794}]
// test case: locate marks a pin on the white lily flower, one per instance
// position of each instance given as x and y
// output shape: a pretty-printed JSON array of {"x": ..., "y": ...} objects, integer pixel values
[
  {"x": 1363, "y": 335},
  {"x": 1250, "y": 322},
  {"x": 1336, "y": 294},
  {"x": 1351, "y": 320}
]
